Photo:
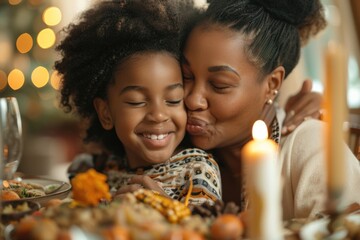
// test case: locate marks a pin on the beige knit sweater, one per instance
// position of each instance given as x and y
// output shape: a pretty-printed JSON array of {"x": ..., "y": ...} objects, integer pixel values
[{"x": 303, "y": 171}]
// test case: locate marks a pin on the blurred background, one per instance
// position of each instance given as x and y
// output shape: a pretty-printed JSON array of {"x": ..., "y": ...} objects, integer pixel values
[{"x": 30, "y": 30}]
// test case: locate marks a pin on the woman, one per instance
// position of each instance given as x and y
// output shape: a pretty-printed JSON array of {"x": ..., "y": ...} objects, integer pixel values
[
  {"x": 83, "y": 103},
  {"x": 234, "y": 61}
]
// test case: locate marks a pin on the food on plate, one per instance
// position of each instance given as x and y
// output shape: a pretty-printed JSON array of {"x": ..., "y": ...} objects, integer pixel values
[
  {"x": 115, "y": 232},
  {"x": 183, "y": 235},
  {"x": 173, "y": 210},
  {"x": 227, "y": 226},
  {"x": 8, "y": 195},
  {"x": 144, "y": 214},
  {"x": 90, "y": 194},
  {"x": 24, "y": 189},
  {"x": 10, "y": 209},
  {"x": 53, "y": 202},
  {"x": 33, "y": 228},
  {"x": 15, "y": 210}
]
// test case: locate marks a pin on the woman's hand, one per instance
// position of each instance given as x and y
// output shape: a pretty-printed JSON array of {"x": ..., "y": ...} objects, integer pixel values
[
  {"x": 138, "y": 182},
  {"x": 302, "y": 106}
]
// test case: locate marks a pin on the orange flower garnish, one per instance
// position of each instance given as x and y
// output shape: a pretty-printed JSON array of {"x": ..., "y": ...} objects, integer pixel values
[{"x": 90, "y": 187}]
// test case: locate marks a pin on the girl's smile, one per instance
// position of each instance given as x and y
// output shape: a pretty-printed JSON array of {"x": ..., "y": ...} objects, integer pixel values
[{"x": 145, "y": 106}]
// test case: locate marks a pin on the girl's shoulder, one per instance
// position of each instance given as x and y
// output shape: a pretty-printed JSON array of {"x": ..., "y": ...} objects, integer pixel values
[
  {"x": 191, "y": 155},
  {"x": 192, "y": 152}
]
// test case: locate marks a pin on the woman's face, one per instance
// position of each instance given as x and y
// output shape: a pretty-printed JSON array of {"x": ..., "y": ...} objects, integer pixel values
[
  {"x": 145, "y": 105},
  {"x": 222, "y": 92}
]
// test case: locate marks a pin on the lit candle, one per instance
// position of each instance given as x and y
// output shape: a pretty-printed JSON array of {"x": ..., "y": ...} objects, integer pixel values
[
  {"x": 336, "y": 111},
  {"x": 262, "y": 180}
]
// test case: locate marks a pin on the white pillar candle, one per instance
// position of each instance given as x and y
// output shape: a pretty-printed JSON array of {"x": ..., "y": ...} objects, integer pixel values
[{"x": 262, "y": 181}]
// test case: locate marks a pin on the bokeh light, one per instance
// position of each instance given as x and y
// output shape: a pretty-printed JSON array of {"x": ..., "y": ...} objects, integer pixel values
[
  {"x": 24, "y": 43},
  {"x": 14, "y": 2},
  {"x": 52, "y": 16},
  {"x": 55, "y": 80},
  {"x": 46, "y": 38},
  {"x": 16, "y": 79},
  {"x": 3, "y": 80},
  {"x": 40, "y": 77}
]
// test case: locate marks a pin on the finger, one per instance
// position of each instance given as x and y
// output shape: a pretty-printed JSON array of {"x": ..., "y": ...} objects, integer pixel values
[
  {"x": 300, "y": 117},
  {"x": 305, "y": 106},
  {"x": 119, "y": 196},
  {"x": 147, "y": 183},
  {"x": 128, "y": 189},
  {"x": 143, "y": 180},
  {"x": 298, "y": 97},
  {"x": 289, "y": 116},
  {"x": 306, "y": 86},
  {"x": 312, "y": 114},
  {"x": 318, "y": 114}
]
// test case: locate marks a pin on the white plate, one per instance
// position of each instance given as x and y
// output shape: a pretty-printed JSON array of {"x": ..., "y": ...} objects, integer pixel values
[
  {"x": 318, "y": 227},
  {"x": 62, "y": 193}
]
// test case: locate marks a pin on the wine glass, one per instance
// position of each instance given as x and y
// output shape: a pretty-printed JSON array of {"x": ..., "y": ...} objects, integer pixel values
[{"x": 11, "y": 136}]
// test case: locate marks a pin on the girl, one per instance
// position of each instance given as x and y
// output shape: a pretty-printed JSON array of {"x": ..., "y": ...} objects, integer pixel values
[{"x": 120, "y": 71}]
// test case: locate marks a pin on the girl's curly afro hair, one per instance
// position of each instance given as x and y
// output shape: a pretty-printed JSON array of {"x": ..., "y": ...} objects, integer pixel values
[{"x": 104, "y": 36}]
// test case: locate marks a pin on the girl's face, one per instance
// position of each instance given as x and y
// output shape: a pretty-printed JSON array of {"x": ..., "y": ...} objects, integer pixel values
[
  {"x": 222, "y": 92},
  {"x": 145, "y": 105}
]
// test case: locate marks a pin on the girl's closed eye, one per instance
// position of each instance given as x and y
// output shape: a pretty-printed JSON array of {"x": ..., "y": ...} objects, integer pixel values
[
  {"x": 136, "y": 103},
  {"x": 174, "y": 102}
]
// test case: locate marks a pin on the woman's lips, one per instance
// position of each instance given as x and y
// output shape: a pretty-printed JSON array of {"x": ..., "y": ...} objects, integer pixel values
[{"x": 196, "y": 126}]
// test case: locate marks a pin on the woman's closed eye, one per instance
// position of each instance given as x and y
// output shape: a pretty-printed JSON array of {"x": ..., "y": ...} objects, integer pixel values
[{"x": 220, "y": 87}]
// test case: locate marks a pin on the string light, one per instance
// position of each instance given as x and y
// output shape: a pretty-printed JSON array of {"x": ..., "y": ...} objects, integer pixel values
[
  {"x": 14, "y": 2},
  {"x": 52, "y": 16},
  {"x": 3, "y": 80},
  {"x": 55, "y": 80},
  {"x": 16, "y": 79},
  {"x": 40, "y": 77},
  {"x": 46, "y": 38},
  {"x": 24, "y": 43}
]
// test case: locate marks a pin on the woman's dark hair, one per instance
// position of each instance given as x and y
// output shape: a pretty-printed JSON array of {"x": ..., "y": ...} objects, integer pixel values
[
  {"x": 107, "y": 35},
  {"x": 275, "y": 30}
]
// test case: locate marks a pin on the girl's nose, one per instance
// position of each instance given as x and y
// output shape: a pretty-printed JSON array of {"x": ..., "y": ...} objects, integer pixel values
[{"x": 158, "y": 113}]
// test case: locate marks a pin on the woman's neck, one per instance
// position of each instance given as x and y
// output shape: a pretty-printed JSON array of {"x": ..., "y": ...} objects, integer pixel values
[
  {"x": 230, "y": 167},
  {"x": 229, "y": 159}
]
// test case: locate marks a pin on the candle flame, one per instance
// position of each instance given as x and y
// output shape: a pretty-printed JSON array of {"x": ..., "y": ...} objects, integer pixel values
[{"x": 259, "y": 130}]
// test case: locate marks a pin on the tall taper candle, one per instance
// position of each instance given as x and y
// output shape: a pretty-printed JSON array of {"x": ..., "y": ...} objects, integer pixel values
[{"x": 335, "y": 115}]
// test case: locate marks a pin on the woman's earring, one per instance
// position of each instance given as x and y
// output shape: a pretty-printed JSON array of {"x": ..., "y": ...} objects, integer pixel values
[{"x": 270, "y": 101}]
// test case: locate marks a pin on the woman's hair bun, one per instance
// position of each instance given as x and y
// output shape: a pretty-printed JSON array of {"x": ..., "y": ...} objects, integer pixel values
[{"x": 294, "y": 12}]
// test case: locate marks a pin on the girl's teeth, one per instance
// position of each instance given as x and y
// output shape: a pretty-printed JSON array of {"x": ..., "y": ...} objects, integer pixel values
[{"x": 156, "y": 137}]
